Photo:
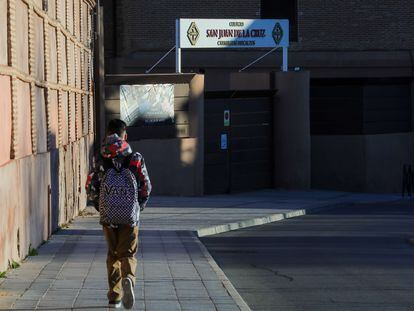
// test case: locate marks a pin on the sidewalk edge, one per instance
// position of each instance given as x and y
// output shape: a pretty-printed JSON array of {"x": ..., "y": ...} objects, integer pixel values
[{"x": 231, "y": 290}]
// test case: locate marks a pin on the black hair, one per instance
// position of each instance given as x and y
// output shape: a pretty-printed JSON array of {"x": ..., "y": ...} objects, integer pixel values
[{"x": 116, "y": 126}]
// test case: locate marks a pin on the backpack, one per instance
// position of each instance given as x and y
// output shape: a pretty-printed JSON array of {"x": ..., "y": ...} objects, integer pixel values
[{"x": 118, "y": 196}]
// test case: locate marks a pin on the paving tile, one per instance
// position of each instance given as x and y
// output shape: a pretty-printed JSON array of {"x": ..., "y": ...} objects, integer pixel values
[
  {"x": 219, "y": 292},
  {"x": 156, "y": 271},
  {"x": 91, "y": 303},
  {"x": 159, "y": 291},
  {"x": 67, "y": 284},
  {"x": 23, "y": 274},
  {"x": 6, "y": 302},
  {"x": 10, "y": 293},
  {"x": 192, "y": 293},
  {"x": 25, "y": 304},
  {"x": 139, "y": 304},
  {"x": 31, "y": 294},
  {"x": 197, "y": 305},
  {"x": 16, "y": 284},
  {"x": 51, "y": 268},
  {"x": 60, "y": 295},
  {"x": 162, "y": 305},
  {"x": 92, "y": 292},
  {"x": 222, "y": 299},
  {"x": 97, "y": 271},
  {"x": 184, "y": 271},
  {"x": 189, "y": 284},
  {"x": 46, "y": 277},
  {"x": 75, "y": 271},
  {"x": 95, "y": 284},
  {"x": 78, "y": 265},
  {"x": 227, "y": 307},
  {"x": 58, "y": 303},
  {"x": 41, "y": 284}
]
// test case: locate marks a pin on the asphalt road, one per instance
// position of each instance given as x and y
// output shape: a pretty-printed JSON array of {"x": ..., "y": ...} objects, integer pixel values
[{"x": 348, "y": 258}]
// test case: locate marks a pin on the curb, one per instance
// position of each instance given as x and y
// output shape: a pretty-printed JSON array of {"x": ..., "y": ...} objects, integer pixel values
[
  {"x": 243, "y": 306},
  {"x": 267, "y": 219},
  {"x": 249, "y": 223}
]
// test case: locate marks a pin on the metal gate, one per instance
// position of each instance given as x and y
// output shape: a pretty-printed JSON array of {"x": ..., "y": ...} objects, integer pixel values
[{"x": 238, "y": 141}]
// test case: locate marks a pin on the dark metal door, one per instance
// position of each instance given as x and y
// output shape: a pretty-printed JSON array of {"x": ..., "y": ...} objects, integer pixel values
[{"x": 245, "y": 161}]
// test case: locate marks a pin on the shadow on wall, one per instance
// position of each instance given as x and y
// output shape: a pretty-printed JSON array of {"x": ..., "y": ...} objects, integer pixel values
[
  {"x": 54, "y": 184},
  {"x": 24, "y": 194},
  {"x": 69, "y": 166},
  {"x": 172, "y": 164},
  {"x": 39, "y": 192},
  {"x": 175, "y": 165},
  {"x": 361, "y": 163}
]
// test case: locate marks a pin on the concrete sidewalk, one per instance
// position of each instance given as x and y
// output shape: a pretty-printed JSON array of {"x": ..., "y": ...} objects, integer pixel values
[{"x": 175, "y": 271}]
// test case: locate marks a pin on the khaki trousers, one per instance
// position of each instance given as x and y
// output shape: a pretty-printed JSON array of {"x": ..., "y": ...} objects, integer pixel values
[{"x": 120, "y": 262}]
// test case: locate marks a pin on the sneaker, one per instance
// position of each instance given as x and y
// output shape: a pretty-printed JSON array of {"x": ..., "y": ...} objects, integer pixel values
[
  {"x": 115, "y": 304},
  {"x": 128, "y": 299}
]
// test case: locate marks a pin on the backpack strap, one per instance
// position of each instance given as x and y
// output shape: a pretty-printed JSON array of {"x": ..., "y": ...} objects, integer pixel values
[
  {"x": 127, "y": 161},
  {"x": 108, "y": 163},
  {"x": 127, "y": 164}
]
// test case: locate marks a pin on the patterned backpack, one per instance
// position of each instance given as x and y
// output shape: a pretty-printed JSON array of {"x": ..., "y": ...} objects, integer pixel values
[{"x": 118, "y": 196}]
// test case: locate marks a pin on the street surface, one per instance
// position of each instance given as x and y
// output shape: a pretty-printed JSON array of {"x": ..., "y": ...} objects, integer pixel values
[
  {"x": 175, "y": 271},
  {"x": 354, "y": 257}
]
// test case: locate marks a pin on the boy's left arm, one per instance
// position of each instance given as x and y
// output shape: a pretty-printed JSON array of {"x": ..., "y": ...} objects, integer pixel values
[{"x": 138, "y": 164}]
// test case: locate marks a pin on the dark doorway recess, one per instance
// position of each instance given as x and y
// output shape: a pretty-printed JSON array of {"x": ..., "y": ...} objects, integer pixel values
[
  {"x": 360, "y": 106},
  {"x": 246, "y": 163}
]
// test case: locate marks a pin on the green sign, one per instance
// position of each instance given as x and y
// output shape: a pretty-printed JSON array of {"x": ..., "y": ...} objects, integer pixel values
[{"x": 226, "y": 117}]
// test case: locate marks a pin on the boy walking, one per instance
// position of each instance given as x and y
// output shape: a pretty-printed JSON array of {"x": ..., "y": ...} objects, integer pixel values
[{"x": 119, "y": 187}]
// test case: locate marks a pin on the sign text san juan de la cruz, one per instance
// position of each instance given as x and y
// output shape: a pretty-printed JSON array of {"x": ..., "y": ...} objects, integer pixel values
[{"x": 232, "y": 33}]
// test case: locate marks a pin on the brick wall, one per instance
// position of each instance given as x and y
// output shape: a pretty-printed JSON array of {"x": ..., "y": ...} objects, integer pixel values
[
  {"x": 323, "y": 25},
  {"x": 355, "y": 24},
  {"x": 150, "y": 25}
]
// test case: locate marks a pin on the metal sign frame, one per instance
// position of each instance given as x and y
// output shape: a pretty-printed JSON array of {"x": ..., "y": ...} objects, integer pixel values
[{"x": 178, "y": 47}]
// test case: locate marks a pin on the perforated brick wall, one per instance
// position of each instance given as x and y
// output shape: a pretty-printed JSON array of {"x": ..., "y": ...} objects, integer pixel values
[{"x": 46, "y": 118}]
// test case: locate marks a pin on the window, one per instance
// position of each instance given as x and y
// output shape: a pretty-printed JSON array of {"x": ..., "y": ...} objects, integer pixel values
[{"x": 282, "y": 9}]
